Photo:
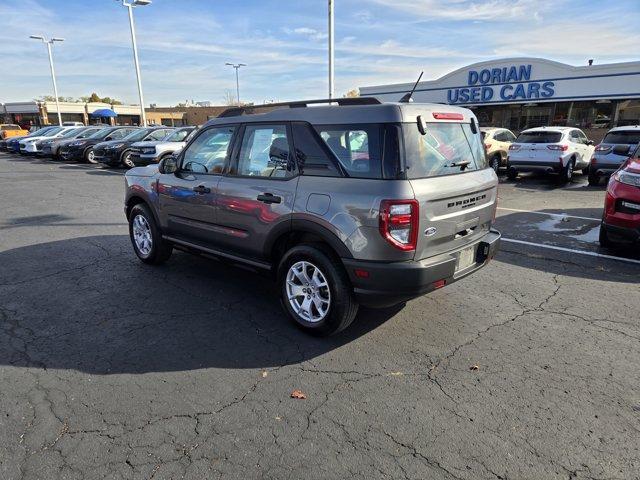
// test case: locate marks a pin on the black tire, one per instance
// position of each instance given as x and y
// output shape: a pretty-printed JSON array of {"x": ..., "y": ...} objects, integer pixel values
[
  {"x": 603, "y": 238},
  {"x": 88, "y": 156},
  {"x": 160, "y": 250},
  {"x": 594, "y": 178},
  {"x": 512, "y": 173},
  {"x": 342, "y": 307},
  {"x": 585, "y": 171},
  {"x": 125, "y": 159},
  {"x": 495, "y": 162},
  {"x": 567, "y": 173}
]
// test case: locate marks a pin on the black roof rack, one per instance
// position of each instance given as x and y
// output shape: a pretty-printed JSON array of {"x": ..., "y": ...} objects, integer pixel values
[{"x": 267, "y": 107}]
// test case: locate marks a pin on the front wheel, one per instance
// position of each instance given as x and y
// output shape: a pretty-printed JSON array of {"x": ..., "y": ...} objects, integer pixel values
[
  {"x": 89, "y": 155},
  {"x": 126, "y": 160},
  {"x": 315, "y": 290},
  {"x": 146, "y": 238},
  {"x": 495, "y": 162}
]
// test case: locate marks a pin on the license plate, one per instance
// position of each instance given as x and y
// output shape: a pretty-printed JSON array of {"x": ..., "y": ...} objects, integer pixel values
[{"x": 466, "y": 258}]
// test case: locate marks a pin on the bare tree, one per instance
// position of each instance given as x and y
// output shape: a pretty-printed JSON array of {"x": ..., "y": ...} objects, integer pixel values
[{"x": 229, "y": 98}]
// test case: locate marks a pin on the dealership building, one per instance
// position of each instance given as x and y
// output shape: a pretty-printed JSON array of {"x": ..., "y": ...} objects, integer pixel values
[{"x": 519, "y": 93}]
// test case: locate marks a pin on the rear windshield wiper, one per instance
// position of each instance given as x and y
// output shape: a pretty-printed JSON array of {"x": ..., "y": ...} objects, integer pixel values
[{"x": 463, "y": 164}]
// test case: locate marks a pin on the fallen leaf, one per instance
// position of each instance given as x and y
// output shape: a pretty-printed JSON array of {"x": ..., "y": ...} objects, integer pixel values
[
  {"x": 298, "y": 394},
  {"x": 474, "y": 367},
  {"x": 264, "y": 374},
  {"x": 396, "y": 374}
]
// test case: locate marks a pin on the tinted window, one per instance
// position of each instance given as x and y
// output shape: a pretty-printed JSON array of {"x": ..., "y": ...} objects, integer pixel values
[
  {"x": 312, "y": 158},
  {"x": 136, "y": 135},
  {"x": 357, "y": 148},
  {"x": 265, "y": 152},
  {"x": 158, "y": 134},
  {"x": 208, "y": 152},
  {"x": 71, "y": 133},
  {"x": 623, "y": 137},
  {"x": 119, "y": 134},
  {"x": 539, "y": 137},
  {"x": 88, "y": 132},
  {"x": 102, "y": 133},
  {"x": 446, "y": 148},
  {"x": 510, "y": 136},
  {"x": 178, "y": 136}
]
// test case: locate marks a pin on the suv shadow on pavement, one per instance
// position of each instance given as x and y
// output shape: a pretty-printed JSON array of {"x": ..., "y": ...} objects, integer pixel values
[{"x": 88, "y": 304}]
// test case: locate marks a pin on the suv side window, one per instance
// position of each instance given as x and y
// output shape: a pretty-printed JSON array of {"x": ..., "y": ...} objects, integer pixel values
[
  {"x": 500, "y": 136},
  {"x": 357, "y": 147},
  {"x": 208, "y": 152},
  {"x": 118, "y": 134},
  {"x": 582, "y": 138},
  {"x": 158, "y": 134},
  {"x": 510, "y": 137},
  {"x": 312, "y": 158},
  {"x": 574, "y": 136},
  {"x": 264, "y": 152}
]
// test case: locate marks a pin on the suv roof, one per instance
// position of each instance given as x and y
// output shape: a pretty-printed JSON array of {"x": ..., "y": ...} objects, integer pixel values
[
  {"x": 359, "y": 110},
  {"x": 626, "y": 128},
  {"x": 550, "y": 129}
]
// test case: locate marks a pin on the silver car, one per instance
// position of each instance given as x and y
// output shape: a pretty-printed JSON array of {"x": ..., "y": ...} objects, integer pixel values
[
  {"x": 614, "y": 149},
  {"x": 146, "y": 153},
  {"x": 360, "y": 203}
]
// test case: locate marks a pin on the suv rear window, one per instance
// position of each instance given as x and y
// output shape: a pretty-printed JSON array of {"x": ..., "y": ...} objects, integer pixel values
[
  {"x": 445, "y": 149},
  {"x": 357, "y": 147},
  {"x": 622, "y": 137},
  {"x": 539, "y": 137}
]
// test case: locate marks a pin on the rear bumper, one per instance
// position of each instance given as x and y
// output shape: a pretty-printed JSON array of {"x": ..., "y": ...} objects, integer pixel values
[
  {"x": 622, "y": 235},
  {"x": 392, "y": 283},
  {"x": 549, "y": 166}
]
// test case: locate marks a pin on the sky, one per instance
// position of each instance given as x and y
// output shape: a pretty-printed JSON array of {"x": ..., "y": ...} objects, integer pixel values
[{"x": 184, "y": 44}]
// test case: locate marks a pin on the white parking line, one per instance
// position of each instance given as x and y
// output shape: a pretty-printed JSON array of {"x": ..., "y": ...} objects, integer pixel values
[
  {"x": 571, "y": 250},
  {"x": 549, "y": 214}
]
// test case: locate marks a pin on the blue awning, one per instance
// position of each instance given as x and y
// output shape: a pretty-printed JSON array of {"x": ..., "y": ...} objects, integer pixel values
[{"x": 104, "y": 112}]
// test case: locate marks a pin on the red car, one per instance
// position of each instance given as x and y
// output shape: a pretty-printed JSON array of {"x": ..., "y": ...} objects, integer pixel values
[{"x": 621, "y": 220}]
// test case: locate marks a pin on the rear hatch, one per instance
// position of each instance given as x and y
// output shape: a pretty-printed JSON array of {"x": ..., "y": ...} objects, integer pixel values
[
  {"x": 604, "y": 155},
  {"x": 456, "y": 192},
  {"x": 536, "y": 146}
]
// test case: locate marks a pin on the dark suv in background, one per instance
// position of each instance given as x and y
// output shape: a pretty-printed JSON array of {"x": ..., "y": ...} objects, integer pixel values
[
  {"x": 361, "y": 203},
  {"x": 118, "y": 152},
  {"x": 82, "y": 149}
]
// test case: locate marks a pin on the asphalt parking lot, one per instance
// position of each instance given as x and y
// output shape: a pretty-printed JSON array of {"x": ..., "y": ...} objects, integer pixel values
[{"x": 113, "y": 369}]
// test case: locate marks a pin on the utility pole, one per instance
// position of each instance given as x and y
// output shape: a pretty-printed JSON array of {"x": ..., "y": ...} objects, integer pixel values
[
  {"x": 53, "y": 72},
  {"x": 237, "y": 67},
  {"x": 331, "y": 56}
]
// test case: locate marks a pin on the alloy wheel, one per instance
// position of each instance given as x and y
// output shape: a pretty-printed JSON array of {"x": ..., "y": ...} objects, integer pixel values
[
  {"x": 142, "y": 235},
  {"x": 308, "y": 291}
]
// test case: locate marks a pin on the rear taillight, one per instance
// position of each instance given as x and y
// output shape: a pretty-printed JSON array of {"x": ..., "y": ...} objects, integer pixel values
[
  {"x": 603, "y": 148},
  {"x": 561, "y": 148},
  {"x": 399, "y": 223},
  {"x": 447, "y": 116},
  {"x": 513, "y": 147}
]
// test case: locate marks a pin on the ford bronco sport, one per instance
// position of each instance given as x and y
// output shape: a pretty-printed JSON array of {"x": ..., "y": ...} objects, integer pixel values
[{"x": 356, "y": 203}]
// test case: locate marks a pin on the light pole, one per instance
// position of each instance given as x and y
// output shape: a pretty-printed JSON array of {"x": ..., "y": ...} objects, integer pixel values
[
  {"x": 331, "y": 39},
  {"x": 53, "y": 73},
  {"x": 130, "y": 5},
  {"x": 237, "y": 67}
]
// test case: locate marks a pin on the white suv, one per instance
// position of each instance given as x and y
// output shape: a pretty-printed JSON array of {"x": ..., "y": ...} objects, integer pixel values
[{"x": 558, "y": 150}]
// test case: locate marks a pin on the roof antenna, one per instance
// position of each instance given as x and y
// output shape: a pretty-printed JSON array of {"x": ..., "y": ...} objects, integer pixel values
[{"x": 407, "y": 96}]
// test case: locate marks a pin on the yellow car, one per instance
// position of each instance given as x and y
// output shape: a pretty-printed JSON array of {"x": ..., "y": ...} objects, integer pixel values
[
  {"x": 8, "y": 130},
  {"x": 496, "y": 145}
]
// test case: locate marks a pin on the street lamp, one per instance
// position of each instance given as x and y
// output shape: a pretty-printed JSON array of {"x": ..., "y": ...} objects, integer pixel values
[
  {"x": 53, "y": 73},
  {"x": 237, "y": 67},
  {"x": 130, "y": 5},
  {"x": 331, "y": 40}
]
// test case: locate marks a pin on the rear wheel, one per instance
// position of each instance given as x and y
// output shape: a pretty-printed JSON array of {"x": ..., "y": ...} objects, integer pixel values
[
  {"x": 495, "y": 162},
  {"x": 512, "y": 173},
  {"x": 567, "y": 173},
  {"x": 146, "y": 237},
  {"x": 315, "y": 290},
  {"x": 604, "y": 238}
]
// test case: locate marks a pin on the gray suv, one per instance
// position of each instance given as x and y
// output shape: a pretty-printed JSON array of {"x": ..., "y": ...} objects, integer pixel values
[{"x": 356, "y": 203}]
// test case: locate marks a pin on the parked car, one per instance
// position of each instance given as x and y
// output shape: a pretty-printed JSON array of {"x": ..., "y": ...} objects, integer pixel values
[
  {"x": 13, "y": 144},
  {"x": 118, "y": 152},
  {"x": 28, "y": 146},
  {"x": 559, "y": 150},
  {"x": 362, "y": 203},
  {"x": 496, "y": 144},
  {"x": 81, "y": 150},
  {"x": 145, "y": 153},
  {"x": 621, "y": 219},
  {"x": 51, "y": 147},
  {"x": 613, "y": 151},
  {"x": 9, "y": 130}
]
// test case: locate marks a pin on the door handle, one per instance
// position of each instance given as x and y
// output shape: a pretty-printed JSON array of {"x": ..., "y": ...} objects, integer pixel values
[
  {"x": 269, "y": 198},
  {"x": 201, "y": 189}
]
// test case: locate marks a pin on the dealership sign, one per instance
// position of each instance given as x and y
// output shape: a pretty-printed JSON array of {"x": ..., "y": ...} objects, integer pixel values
[
  {"x": 520, "y": 80},
  {"x": 506, "y": 84}
]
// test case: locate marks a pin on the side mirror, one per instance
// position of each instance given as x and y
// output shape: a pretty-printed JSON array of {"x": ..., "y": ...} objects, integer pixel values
[
  {"x": 622, "y": 150},
  {"x": 168, "y": 165},
  {"x": 590, "y": 142}
]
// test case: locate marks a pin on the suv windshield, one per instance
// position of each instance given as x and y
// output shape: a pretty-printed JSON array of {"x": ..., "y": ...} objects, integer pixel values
[
  {"x": 178, "y": 136},
  {"x": 445, "y": 149},
  {"x": 100, "y": 134},
  {"x": 539, "y": 137},
  {"x": 628, "y": 137},
  {"x": 71, "y": 133},
  {"x": 40, "y": 131},
  {"x": 137, "y": 135}
]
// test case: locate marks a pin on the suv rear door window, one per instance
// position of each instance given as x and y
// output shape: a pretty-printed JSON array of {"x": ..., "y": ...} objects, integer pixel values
[
  {"x": 265, "y": 152},
  {"x": 623, "y": 137},
  {"x": 539, "y": 137},
  {"x": 445, "y": 149},
  {"x": 312, "y": 158},
  {"x": 357, "y": 147}
]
